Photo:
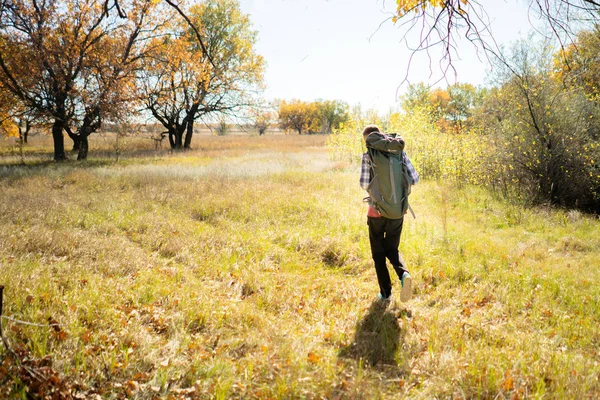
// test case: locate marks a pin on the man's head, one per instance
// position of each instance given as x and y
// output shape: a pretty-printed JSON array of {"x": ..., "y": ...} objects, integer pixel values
[{"x": 368, "y": 130}]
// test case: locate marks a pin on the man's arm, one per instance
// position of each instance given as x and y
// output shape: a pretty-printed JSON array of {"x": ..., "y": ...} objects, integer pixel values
[
  {"x": 365, "y": 171},
  {"x": 385, "y": 143},
  {"x": 413, "y": 175}
]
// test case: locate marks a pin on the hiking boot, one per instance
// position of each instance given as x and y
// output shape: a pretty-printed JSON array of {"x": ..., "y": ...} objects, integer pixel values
[{"x": 406, "y": 292}]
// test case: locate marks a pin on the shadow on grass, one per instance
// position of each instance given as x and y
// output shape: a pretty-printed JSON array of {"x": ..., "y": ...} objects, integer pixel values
[
  {"x": 378, "y": 336},
  {"x": 39, "y": 163}
]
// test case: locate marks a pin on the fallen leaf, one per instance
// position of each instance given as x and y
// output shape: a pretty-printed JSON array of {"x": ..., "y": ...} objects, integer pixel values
[
  {"x": 509, "y": 382},
  {"x": 61, "y": 335}
]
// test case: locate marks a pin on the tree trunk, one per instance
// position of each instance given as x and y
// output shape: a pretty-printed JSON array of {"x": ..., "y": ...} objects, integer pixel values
[
  {"x": 76, "y": 143},
  {"x": 74, "y": 137},
  {"x": 172, "y": 135},
  {"x": 27, "y": 129},
  {"x": 189, "y": 124},
  {"x": 176, "y": 135},
  {"x": 24, "y": 132},
  {"x": 91, "y": 122},
  {"x": 59, "y": 140},
  {"x": 178, "y": 140},
  {"x": 83, "y": 146},
  {"x": 189, "y": 133}
]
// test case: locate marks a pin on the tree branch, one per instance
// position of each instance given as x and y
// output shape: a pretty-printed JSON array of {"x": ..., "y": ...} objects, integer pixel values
[{"x": 196, "y": 32}]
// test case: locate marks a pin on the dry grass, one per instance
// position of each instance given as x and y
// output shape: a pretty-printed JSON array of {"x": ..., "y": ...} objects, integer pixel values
[
  {"x": 243, "y": 271},
  {"x": 140, "y": 148}
]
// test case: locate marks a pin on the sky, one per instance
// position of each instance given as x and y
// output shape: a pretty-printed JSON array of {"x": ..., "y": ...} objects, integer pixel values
[{"x": 350, "y": 50}]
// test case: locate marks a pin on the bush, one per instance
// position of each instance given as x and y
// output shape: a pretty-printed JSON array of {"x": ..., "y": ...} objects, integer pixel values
[
  {"x": 462, "y": 158},
  {"x": 546, "y": 136},
  {"x": 541, "y": 145}
]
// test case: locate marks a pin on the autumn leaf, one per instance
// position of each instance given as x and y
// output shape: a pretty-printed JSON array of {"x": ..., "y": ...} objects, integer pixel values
[
  {"x": 86, "y": 337},
  {"x": 508, "y": 383}
]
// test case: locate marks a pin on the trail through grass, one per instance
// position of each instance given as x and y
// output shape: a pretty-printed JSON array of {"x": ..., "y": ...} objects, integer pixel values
[{"x": 242, "y": 270}]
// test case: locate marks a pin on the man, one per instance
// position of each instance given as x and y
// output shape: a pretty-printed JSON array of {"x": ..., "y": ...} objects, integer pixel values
[{"x": 385, "y": 217}]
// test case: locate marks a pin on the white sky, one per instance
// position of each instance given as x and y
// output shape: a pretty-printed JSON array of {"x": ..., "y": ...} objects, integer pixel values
[{"x": 337, "y": 50}]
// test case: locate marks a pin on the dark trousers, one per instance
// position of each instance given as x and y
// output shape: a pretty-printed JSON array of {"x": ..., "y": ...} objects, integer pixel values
[{"x": 384, "y": 235}]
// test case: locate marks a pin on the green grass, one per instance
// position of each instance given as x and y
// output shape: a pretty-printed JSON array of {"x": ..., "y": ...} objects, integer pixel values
[{"x": 242, "y": 270}]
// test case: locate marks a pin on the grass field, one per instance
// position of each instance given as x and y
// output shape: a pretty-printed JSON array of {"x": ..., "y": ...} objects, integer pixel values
[{"x": 241, "y": 269}]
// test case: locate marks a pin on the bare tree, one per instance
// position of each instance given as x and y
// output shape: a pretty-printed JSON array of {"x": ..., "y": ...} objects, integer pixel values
[{"x": 441, "y": 23}]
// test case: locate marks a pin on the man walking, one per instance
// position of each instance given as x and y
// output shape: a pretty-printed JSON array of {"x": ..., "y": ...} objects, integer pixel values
[{"x": 387, "y": 174}]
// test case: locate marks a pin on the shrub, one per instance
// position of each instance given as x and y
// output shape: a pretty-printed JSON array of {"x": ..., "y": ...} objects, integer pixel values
[{"x": 546, "y": 136}]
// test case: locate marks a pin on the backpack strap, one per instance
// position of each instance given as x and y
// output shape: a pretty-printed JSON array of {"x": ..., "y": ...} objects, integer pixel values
[
  {"x": 370, "y": 152},
  {"x": 411, "y": 211}
]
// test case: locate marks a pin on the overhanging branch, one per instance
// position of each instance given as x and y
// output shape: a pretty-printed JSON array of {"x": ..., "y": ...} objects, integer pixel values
[{"x": 198, "y": 36}]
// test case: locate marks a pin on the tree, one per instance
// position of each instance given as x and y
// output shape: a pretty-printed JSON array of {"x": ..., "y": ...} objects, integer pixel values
[
  {"x": 490, "y": 110},
  {"x": 300, "y": 116},
  {"x": 25, "y": 122},
  {"x": 416, "y": 97},
  {"x": 70, "y": 61},
  {"x": 439, "y": 99},
  {"x": 318, "y": 116},
  {"x": 294, "y": 115},
  {"x": 333, "y": 113},
  {"x": 578, "y": 64},
  {"x": 184, "y": 81},
  {"x": 463, "y": 97},
  {"x": 548, "y": 136},
  {"x": 8, "y": 125},
  {"x": 450, "y": 109},
  {"x": 314, "y": 117},
  {"x": 262, "y": 118}
]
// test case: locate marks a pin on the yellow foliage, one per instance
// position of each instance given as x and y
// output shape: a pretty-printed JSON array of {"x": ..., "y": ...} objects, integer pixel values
[
  {"x": 576, "y": 64},
  {"x": 317, "y": 116},
  {"x": 408, "y": 6},
  {"x": 294, "y": 115},
  {"x": 437, "y": 155},
  {"x": 462, "y": 158},
  {"x": 8, "y": 127},
  {"x": 346, "y": 143}
]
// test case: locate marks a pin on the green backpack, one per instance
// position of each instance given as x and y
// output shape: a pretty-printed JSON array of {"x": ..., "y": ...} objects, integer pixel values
[{"x": 389, "y": 187}]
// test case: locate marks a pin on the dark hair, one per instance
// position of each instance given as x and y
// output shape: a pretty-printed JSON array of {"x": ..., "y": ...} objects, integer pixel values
[{"x": 370, "y": 129}]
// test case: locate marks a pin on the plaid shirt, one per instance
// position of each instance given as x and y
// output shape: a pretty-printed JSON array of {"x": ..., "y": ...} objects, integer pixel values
[{"x": 365, "y": 171}]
